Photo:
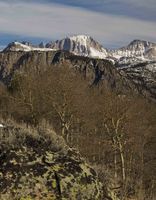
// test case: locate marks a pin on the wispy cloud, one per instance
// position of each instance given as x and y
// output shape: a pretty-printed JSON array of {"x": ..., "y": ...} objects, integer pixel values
[
  {"x": 53, "y": 21},
  {"x": 140, "y": 9}
]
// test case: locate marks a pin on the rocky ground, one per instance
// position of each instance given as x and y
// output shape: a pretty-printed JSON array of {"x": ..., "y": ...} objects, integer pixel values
[{"x": 37, "y": 164}]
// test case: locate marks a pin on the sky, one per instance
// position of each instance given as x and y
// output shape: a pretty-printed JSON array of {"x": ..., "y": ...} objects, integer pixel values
[{"x": 113, "y": 23}]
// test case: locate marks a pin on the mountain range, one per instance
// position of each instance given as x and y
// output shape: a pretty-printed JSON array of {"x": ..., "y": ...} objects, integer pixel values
[
  {"x": 137, "y": 60},
  {"x": 83, "y": 45}
]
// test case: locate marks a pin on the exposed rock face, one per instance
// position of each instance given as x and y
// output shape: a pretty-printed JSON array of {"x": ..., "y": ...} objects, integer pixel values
[
  {"x": 143, "y": 76},
  {"x": 139, "y": 78},
  {"x": 94, "y": 70},
  {"x": 137, "y": 48},
  {"x": 12, "y": 61},
  {"x": 39, "y": 165},
  {"x": 136, "y": 61},
  {"x": 25, "y": 47},
  {"x": 151, "y": 53},
  {"x": 81, "y": 45}
]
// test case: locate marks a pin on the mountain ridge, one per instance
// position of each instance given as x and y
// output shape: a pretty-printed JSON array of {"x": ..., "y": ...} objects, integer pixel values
[
  {"x": 95, "y": 71},
  {"x": 130, "y": 60},
  {"x": 85, "y": 45}
]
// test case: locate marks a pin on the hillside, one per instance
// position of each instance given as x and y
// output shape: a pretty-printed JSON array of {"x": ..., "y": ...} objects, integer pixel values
[
  {"x": 93, "y": 70},
  {"x": 96, "y": 105},
  {"x": 37, "y": 164},
  {"x": 135, "y": 63}
]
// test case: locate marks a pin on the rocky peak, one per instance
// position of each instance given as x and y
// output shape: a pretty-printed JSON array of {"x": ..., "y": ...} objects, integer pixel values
[
  {"x": 80, "y": 45},
  {"x": 25, "y": 47},
  {"x": 41, "y": 45},
  {"x": 136, "y": 48},
  {"x": 84, "y": 45},
  {"x": 16, "y": 46},
  {"x": 140, "y": 45}
]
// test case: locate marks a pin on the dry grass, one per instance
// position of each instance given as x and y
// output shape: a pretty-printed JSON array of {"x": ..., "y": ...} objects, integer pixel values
[{"x": 14, "y": 134}]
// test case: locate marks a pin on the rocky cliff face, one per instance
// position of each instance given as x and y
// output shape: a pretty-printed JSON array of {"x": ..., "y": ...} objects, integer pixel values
[
  {"x": 25, "y": 47},
  {"x": 137, "y": 78},
  {"x": 143, "y": 76},
  {"x": 93, "y": 70},
  {"x": 136, "y": 48},
  {"x": 81, "y": 45},
  {"x": 37, "y": 164},
  {"x": 136, "y": 61}
]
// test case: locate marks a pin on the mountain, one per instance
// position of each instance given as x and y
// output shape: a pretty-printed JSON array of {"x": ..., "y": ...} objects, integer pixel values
[
  {"x": 93, "y": 70},
  {"x": 71, "y": 93},
  {"x": 25, "y": 47},
  {"x": 136, "y": 61},
  {"x": 137, "y": 48},
  {"x": 134, "y": 79},
  {"x": 81, "y": 45},
  {"x": 86, "y": 46}
]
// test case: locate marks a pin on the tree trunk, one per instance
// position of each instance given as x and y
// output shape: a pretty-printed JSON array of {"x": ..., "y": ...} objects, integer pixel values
[
  {"x": 115, "y": 165},
  {"x": 122, "y": 162},
  {"x": 63, "y": 130}
]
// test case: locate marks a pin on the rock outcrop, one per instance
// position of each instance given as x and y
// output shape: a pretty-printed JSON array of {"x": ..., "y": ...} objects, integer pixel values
[
  {"x": 81, "y": 45},
  {"x": 93, "y": 70},
  {"x": 137, "y": 78},
  {"x": 37, "y": 164}
]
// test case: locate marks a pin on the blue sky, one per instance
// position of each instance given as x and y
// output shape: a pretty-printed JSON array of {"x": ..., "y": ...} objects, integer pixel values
[{"x": 113, "y": 23}]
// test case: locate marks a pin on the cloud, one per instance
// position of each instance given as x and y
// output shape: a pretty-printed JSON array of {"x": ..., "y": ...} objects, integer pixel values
[
  {"x": 141, "y": 3},
  {"x": 140, "y": 9},
  {"x": 53, "y": 21},
  {"x": 150, "y": 4}
]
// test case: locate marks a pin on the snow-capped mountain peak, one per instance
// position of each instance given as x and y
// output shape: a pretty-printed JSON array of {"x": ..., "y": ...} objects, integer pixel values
[
  {"x": 140, "y": 46},
  {"x": 136, "y": 48},
  {"x": 82, "y": 45},
  {"x": 80, "y": 38},
  {"x": 24, "y": 46},
  {"x": 138, "y": 42}
]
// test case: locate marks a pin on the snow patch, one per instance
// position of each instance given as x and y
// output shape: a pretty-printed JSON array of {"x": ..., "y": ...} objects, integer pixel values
[
  {"x": 97, "y": 54},
  {"x": 17, "y": 46}
]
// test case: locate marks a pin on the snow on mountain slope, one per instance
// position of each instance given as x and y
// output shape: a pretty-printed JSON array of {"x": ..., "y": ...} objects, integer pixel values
[
  {"x": 80, "y": 45},
  {"x": 87, "y": 46},
  {"x": 137, "y": 48},
  {"x": 137, "y": 60},
  {"x": 151, "y": 53},
  {"x": 26, "y": 47}
]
